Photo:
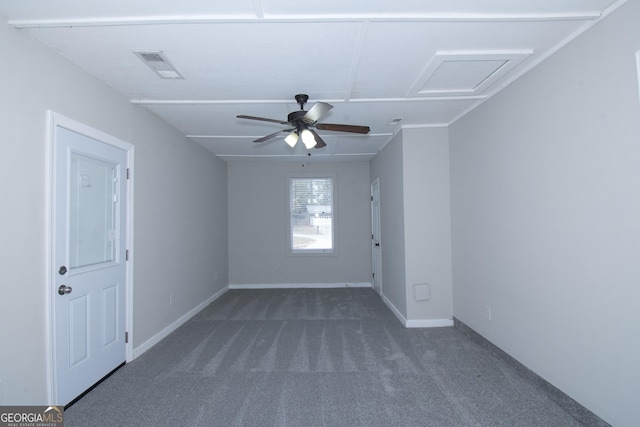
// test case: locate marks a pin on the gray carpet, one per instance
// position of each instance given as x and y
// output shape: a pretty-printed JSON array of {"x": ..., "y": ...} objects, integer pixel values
[{"x": 314, "y": 357}]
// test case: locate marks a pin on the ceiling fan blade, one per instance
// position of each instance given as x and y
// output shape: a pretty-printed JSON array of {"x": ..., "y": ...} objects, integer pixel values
[
  {"x": 273, "y": 135},
  {"x": 242, "y": 116},
  {"x": 343, "y": 128},
  {"x": 318, "y": 110},
  {"x": 319, "y": 142}
]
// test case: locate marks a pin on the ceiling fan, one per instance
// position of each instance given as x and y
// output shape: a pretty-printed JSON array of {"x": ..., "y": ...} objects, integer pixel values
[{"x": 301, "y": 124}]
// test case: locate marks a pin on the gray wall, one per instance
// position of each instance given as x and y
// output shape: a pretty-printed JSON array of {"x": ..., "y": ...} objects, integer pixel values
[
  {"x": 180, "y": 208},
  {"x": 427, "y": 222},
  {"x": 180, "y": 226},
  {"x": 545, "y": 182},
  {"x": 413, "y": 171},
  {"x": 387, "y": 167},
  {"x": 258, "y": 225}
]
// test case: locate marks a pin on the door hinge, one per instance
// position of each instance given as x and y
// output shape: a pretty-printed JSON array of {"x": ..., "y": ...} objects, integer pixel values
[
  {"x": 126, "y": 255},
  {"x": 372, "y": 198},
  {"x": 373, "y": 275},
  {"x": 126, "y": 337},
  {"x": 372, "y": 237},
  {"x": 127, "y": 173}
]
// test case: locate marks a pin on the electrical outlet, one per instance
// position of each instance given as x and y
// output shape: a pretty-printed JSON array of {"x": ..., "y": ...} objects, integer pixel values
[{"x": 487, "y": 312}]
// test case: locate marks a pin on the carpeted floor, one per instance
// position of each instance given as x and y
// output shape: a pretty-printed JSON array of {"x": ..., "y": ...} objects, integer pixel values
[{"x": 314, "y": 357}]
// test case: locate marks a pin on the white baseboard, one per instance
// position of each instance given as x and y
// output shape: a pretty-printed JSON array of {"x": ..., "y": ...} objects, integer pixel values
[
  {"x": 394, "y": 310},
  {"x": 299, "y": 285},
  {"x": 418, "y": 323},
  {"x": 428, "y": 323},
  {"x": 175, "y": 325}
]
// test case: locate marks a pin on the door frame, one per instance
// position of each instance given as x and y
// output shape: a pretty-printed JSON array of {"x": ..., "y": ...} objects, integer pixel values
[
  {"x": 376, "y": 183},
  {"x": 54, "y": 121}
]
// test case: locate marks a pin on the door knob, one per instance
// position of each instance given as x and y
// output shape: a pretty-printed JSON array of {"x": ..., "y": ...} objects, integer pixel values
[{"x": 64, "y": 289}]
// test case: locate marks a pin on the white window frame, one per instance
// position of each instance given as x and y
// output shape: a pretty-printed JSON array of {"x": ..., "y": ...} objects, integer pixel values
[
  {"x": 314, "y": 252},
  {"x": 638, "y": 69}
]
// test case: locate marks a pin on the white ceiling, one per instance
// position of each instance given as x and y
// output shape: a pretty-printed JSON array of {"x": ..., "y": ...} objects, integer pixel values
[{"x": 425, "y": 62}]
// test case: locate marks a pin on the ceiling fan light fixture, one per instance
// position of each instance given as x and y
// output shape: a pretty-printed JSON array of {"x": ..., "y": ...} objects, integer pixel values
[
  {"x": 291, "y": 139},
  {"x": 308, "y": 139}
]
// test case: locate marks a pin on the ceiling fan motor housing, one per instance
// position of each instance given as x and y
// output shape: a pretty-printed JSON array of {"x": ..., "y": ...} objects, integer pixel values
[{"x": 298, "y": 117}]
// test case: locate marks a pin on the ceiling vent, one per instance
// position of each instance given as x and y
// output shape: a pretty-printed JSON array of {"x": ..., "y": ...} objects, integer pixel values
[{"x": 159, "y": 64}]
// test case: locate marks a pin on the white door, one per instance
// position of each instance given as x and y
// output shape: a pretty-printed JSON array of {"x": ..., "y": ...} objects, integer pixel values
[
  {"x": 89, "y": 215},
  {"x": 376, "y": 251}
]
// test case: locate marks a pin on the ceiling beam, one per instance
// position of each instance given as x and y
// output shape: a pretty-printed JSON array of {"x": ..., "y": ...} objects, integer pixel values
[
  {"x": 288, "y": 101},
  {"x": 321, "y": 133},
  {"x": 211, "y": 19}
]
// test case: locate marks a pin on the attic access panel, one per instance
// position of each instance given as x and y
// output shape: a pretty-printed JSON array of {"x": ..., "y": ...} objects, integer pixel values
[{"x": 465, "y": 72}]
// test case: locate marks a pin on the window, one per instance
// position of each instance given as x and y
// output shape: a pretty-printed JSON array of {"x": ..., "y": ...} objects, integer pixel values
[{"x": 311, "y": 215}]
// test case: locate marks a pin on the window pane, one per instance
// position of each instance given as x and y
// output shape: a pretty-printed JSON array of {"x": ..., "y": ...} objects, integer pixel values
[
  {"x": 92, "y": 205},
  {"x": 311, "y": 207}
]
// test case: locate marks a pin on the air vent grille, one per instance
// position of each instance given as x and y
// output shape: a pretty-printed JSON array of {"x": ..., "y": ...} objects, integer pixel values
[
  {"x": 159, "y": 64},
  {"x": 151, "y": 57}
]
